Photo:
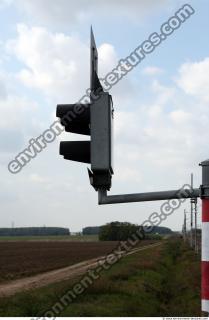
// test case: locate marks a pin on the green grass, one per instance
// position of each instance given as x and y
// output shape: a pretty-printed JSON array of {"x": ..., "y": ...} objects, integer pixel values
[
  {"x": 52, "y": 238},
  {"x": 160, "y": 281}
]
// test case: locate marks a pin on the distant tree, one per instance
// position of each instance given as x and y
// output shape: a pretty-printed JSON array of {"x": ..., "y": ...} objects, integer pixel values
[
  {"x": 161, "y": 230},
  {"x": 91, "y": 230},
  {"x": 118, "y": 231}
]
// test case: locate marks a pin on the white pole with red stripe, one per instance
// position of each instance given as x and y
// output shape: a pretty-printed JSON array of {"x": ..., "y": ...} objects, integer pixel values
[{"x": 205, "y": 236}]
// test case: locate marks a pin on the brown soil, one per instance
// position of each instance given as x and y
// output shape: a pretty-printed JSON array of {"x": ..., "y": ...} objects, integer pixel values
[{"x": 43, "y": 279}]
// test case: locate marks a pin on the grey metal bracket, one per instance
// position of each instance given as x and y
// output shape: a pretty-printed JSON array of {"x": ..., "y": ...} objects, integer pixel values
[
  {"x": 204, "y": 188},
  {"x": 204, "y": 191},
  {"x": 103, "y": 198}
]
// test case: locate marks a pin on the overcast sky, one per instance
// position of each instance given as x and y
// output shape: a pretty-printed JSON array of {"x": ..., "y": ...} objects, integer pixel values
[{"x": 161, "y": 107}]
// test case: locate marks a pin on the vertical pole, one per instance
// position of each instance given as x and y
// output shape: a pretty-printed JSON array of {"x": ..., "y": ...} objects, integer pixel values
[
  {"x": 205, "y": 236},
  {"x": 183, "y": 229},
  {"x": 185, "y": 226},
  {"x": 195, "y": 222},
  {"x": 191, "y": 235}
]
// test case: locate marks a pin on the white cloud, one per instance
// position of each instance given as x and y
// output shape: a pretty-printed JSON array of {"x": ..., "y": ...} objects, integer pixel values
[
  {"x": 18, "y": 116},
  {"x": 180, "y": 116},
  {"x": 194, "y": 79},
  {"x": 34, "y": 177},
  {"x": 161, "y": 136},
  {"x": 152, "y": 71},
  {"x": 56, "y": 64},
  {"x": 107, "y": 59},
  {"x": 4, "y": 3},
  {"x": 127, "y": 175},
  {"x": 64, "y": 12},
  {"x": 14, "y": 110},
  {"x": 17, "y": 124},
  {"x": 164, "y": 93}
]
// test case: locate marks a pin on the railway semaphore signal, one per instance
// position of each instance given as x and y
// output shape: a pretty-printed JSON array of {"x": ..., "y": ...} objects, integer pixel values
[{"x": 93, "y": 119}]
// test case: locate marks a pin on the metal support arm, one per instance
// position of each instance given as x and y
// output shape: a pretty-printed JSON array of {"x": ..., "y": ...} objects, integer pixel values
[{"x": 103, "y": 198}]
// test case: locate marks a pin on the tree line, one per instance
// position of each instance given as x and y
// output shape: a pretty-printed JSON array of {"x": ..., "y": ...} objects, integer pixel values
[
  {"x": 34, "y": 231},
  {"x": 120, "y": 231}
]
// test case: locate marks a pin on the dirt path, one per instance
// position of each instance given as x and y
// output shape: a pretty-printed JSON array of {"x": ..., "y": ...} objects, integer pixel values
[{"x": 44, "y": 279}]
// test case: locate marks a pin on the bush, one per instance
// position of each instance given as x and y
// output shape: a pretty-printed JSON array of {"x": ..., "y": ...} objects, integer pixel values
[{"x": 119, "y": 231}]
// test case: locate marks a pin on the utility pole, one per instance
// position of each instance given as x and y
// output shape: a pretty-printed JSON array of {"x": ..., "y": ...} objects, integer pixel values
[
  {"x": 193, "y": 202},
  {"x": 195, "y": 225},
  {"x": 183, "y": 231},
  {"x": 185, "y": 226},
  {"x": 195, "y": 212}
]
